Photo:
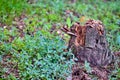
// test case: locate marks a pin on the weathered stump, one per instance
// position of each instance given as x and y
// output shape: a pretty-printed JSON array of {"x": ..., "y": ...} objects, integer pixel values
[{"x": 88, "y": 43}]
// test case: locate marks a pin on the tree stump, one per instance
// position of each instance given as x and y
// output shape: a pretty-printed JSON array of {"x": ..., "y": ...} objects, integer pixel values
[{"x": 89, "y": 43}]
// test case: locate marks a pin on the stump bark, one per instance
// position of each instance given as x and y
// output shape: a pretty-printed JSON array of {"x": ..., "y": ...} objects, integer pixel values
[{"x": 89, "y": 43}]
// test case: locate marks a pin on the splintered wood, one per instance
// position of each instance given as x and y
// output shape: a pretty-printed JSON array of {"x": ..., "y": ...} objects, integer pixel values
[{"x": 89, "y": 43}]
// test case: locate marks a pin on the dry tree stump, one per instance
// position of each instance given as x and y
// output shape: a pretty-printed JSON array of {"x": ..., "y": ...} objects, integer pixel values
[{"x": 89, "y": 43}]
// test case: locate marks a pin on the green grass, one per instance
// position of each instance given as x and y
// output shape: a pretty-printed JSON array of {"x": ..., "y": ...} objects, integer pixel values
[
  {"x": 11, "y": 9},
  {"x": 40, "y": 48}
]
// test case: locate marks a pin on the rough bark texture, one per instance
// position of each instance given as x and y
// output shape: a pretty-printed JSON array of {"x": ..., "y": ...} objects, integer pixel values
[{"x": 89, "y": 43}]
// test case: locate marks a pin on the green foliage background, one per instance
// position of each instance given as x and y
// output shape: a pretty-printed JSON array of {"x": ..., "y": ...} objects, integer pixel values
[{"x": 40, "y": 54}]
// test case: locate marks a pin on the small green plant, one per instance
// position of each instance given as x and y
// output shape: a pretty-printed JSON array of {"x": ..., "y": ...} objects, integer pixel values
[
  {"x": 87, "y": 67},
  {"x": 68, "y": 22},
  {"x": 43, "y": 58}
]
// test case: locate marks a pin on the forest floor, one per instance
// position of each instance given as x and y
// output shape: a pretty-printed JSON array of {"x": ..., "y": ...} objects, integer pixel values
[{"x": 28, "y": 29}]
